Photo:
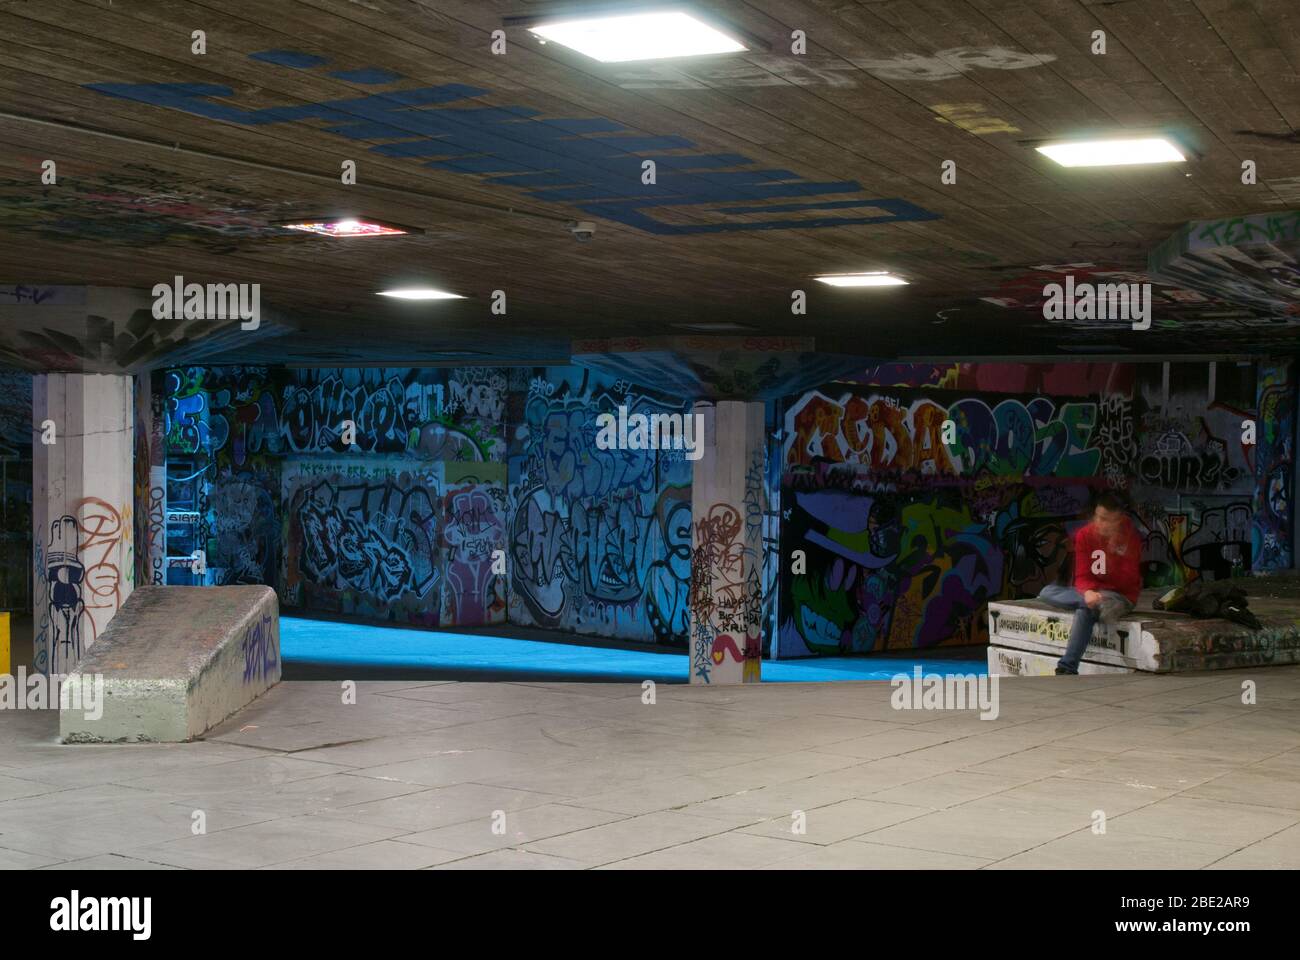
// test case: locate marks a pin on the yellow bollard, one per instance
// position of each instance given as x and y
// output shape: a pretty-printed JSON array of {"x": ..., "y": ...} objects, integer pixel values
[{"x": 4, "y": 643}]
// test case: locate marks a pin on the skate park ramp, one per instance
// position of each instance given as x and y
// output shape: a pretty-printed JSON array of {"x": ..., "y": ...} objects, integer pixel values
[{"x": 173, "y": 663}]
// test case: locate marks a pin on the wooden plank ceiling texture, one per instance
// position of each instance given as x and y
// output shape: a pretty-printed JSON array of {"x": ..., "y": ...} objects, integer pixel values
[{"x": 772, "y": 166}]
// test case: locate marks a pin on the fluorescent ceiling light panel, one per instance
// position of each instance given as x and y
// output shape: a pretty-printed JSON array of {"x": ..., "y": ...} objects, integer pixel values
[
  {"x": 348, "y": 227},
  {"x": 638, "y": 36},
  {"x": 876, "y": 278},
  {"x": 420, "y": 293},
  {"x": 1112, "y": 153}
]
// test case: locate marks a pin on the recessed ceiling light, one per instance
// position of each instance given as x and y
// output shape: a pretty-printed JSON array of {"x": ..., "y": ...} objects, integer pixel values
[
  {"x": 420, "y": 293},
  {"x": 1112, "y": 153},
  {"x": 347, "y": 227},
  {"x": 652, "y": 35},
  {"x": 875, "y": 278}
]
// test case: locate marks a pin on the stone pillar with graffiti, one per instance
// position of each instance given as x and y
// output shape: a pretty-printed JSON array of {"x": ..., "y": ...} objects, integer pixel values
[
  {"x": 726, "y": 598},
  {"x": 83, "y": 536},
  {"x": 150, "y": 481},
  {"x": 1273, "y": 537}
]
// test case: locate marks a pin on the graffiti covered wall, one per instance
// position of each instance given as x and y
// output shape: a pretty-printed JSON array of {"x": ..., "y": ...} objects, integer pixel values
[
  {"x": 332, "y": 486},
  {"x": 906, "y": 537},
  {"x": 600, "y": 540}
]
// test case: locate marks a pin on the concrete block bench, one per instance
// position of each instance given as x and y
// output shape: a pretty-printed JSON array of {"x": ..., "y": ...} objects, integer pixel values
[
  {"x": 1027, "y": 637},
  {"x": 176, "y": 661}
]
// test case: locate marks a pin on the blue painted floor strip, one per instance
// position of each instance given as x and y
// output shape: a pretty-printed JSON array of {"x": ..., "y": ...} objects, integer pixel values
[{"x": 343, "y": 645}]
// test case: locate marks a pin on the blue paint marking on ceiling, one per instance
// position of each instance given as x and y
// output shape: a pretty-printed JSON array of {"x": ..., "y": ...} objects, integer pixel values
[
  {"x": 368, "y": 75},
  {"x": 289, "y": 58},
  {"x": 593, "y": 163}
]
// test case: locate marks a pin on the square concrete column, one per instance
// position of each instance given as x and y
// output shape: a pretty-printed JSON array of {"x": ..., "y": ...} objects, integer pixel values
[
  {"x": 82, "y": 467},
  {"x": 726, "y": 605}
]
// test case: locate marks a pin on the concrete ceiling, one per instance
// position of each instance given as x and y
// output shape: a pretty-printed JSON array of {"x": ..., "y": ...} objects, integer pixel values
[{"x": 771, "y": 168}]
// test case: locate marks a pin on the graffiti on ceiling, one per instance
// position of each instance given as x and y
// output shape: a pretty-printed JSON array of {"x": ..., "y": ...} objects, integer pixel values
[{"x": 593, "y": 163}]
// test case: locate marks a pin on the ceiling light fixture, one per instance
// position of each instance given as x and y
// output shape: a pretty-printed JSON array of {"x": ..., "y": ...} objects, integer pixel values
[
  {"x": 1113, "y": 152},
  {"x": 649, "y": 35},
  {"x": 347, "y": 227},
  {"x": 873, "y": 278},
  {"x": 419, "y": 293}
]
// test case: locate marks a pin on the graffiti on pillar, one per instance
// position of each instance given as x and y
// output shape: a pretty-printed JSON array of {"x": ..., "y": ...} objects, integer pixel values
[
  {"x": 763, "y": 526},
  {"x": 156, "y": 527},
  {"x": 105, "y": 536},
  {"x": 726, "y": 595},
  {"x": 1271, "y": 532},
  {"x": 83, "y": 569},
  {"x": 66, "y": 608}
]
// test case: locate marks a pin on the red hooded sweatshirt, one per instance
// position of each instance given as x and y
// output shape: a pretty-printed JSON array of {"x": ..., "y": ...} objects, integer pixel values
[{"x": 1123, "y": 561}]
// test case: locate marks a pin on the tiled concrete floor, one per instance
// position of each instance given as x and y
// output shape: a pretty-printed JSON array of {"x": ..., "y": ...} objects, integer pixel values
[{"x": 414, "y": 775}]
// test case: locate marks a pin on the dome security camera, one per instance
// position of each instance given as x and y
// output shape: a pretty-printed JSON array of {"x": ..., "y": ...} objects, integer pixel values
[{"x": 582, "y": 230}]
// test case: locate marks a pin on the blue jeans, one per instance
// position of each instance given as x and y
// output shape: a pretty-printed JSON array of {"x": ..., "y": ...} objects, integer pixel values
[{"x": 1113, "y": 606}]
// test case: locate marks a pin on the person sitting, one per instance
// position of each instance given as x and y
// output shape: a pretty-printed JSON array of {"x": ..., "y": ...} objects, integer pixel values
[{"x": 1107, "y": 576}]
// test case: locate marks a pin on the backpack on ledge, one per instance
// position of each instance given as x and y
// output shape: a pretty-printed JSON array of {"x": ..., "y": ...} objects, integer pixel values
[{"x": 1205, "y": 599}]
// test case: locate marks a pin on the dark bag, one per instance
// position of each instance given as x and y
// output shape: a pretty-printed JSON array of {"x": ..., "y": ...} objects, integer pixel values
[{"x": 1205, "y": 599}]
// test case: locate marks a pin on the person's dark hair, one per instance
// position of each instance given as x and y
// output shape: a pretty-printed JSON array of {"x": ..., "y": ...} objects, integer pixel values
[{"x": 1110, "y": 500}]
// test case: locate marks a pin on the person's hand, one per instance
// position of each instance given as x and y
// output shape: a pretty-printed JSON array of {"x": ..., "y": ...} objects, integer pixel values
[{"x": 1092, "y": 598}]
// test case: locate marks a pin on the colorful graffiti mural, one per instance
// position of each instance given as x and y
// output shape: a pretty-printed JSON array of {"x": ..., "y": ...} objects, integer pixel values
[
  {"x": 262, "y": 487},
  {"x": 906, "y": 537},
  {"x": 599, "y": 539},
  {"x": 888, "y": 549},
  {"x": 363, "y": 538},
  {"x": 1012, "y": 437}
]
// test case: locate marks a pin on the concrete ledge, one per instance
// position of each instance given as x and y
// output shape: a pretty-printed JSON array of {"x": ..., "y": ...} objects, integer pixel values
[
  {"x": 176, "y": 661},
  {"x": 1006, "y": 662},
  {"x": 1153, "y": 640}
]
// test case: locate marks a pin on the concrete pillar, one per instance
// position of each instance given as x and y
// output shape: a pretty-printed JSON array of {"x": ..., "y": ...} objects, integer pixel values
[
  {"x": 726, "y": 607},
  {"x": 150, "y": 481},
  {"x": 84, "y": 564}
]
